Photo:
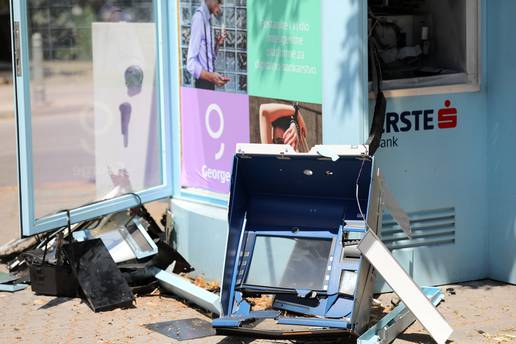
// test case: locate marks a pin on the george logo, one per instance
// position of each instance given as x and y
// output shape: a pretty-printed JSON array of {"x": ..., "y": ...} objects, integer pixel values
[
  {"x": 418, "y": 120},
  {"x": 208, "y": 173},
  {"x": 215, "y": 134}
]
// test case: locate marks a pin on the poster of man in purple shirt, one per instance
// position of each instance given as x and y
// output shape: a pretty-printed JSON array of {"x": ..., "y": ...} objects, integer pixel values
[
  {"x": 221, "y": 108},
  {"x": 204, "y": 46}
]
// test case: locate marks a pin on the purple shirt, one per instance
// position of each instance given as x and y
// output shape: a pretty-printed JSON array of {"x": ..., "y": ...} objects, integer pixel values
[{"x": 201, "y": 51}]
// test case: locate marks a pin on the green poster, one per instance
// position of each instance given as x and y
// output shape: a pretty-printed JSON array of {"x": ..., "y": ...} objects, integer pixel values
[{"x": 284, "y": 49}]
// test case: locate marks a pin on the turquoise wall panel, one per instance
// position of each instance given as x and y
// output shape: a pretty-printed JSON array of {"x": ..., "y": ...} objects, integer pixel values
[{"x": 501, "y": 143}]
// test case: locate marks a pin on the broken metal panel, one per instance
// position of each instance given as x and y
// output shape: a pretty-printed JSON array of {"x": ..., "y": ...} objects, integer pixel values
[
  {"x": 382, "y": 260},
  {"x": 13, "y": 287},
  {"x": 187, "y": 290},
  {"x": 323, "y": 323},
  {"x": 125, "y": 237},
  {"x": 102, "y": 283},
  {"x": 391, "y": 203},
  {"x": 269, "y": 330},
  {"x": 180, "y": 330},
  {"x": 6, "y": 278},
  {"x": 366, "y": 280},
  {"x": 397, "y": 321}
]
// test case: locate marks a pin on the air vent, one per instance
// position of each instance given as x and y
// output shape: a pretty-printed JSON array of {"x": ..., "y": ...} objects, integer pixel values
[{"x": 429, "y": 227}]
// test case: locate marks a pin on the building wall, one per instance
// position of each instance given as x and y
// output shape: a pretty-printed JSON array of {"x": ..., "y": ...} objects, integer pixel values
[
  {"x": 462, "y": 175},
  {"x": 501, "y": 126},
  {"x": 434, "y": 173},
  {"x": 429, "y": 170},
  {"x": 441, "y": 173},
  {"x": 440, "y": 179}
]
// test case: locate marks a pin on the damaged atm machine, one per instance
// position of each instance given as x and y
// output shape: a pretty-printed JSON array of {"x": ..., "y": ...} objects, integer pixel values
[{"x": 303, "y": 236}]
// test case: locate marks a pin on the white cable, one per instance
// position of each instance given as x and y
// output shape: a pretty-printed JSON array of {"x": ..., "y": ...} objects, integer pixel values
[{"x": 356, "y": 195}]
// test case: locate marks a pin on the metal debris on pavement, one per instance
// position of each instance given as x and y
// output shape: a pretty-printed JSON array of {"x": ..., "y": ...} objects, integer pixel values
[{"x": 187, "y": 329}]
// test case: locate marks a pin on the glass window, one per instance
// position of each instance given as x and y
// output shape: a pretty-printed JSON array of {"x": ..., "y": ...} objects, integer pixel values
[
  {"x": 290, "y": 263},
  {"x": 95, "y": 124}
]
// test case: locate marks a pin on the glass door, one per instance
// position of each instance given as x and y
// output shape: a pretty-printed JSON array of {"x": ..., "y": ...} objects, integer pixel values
[{"x": 93, "y": 136}]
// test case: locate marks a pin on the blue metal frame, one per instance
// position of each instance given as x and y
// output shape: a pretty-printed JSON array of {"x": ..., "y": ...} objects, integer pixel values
[
  {"x": 336, "y": 310},
  {"x": 29, "y": 224}
]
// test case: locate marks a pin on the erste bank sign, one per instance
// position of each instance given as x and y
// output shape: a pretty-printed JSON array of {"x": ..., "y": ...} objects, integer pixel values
[{"x": 418, "y": 120}]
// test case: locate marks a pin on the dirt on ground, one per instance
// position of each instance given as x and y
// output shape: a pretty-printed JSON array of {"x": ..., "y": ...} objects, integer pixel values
[{"x": 479, "y": 312}]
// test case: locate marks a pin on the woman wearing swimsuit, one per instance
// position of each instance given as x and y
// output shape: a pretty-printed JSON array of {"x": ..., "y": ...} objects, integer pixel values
[{"x": 282, "y": 124}]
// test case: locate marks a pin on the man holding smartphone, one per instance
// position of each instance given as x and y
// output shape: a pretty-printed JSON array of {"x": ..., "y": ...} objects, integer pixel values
[{"x": 203, "y": 47}]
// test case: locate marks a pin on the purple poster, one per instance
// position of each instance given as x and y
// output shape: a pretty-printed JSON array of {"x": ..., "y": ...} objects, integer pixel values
[{"x": 212, "y": 124}]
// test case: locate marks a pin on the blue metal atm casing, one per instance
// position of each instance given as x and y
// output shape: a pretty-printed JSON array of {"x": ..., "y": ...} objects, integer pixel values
[{"x": 302, "y": 195}]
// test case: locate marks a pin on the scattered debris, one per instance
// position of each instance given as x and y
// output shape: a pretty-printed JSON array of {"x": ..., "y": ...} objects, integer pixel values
[
  {"x": 499, "y": 337},
  {"x": 187, "y": 329},
  {"x": 17, "y": 246},
  {"x": 262, "y": 303},
  {"x": 13, "y": 287},
  {"x": 126, "y": 240},
  {"x": 107, "y": 260},
  {"x": 200, "y": 281},
  {"x": 6, "y": 278},
  {"x": 100, "y": 280},
  {"x": 185, "y": 289},
  {"x": 10, "y": 283},
  {"x": 52, "y": 279},
  {"x": 379, "y": 310},
  {"x": 395, "y": 301},
  {"x": 451, "y": 291}
]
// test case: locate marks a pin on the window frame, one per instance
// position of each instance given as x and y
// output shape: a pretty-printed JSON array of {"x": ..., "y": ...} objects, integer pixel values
[
  {"x": 31, "y": 225},
  {"x": 472, "y": 76},
  {"x": 179, "y": 192}
]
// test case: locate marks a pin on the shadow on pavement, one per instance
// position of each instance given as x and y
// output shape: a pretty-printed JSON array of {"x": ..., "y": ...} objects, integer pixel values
[{"x": 55, "y": 302}]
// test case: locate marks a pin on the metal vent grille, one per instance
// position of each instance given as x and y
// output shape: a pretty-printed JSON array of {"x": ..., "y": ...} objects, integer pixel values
[{"x": 430, "y": 228}]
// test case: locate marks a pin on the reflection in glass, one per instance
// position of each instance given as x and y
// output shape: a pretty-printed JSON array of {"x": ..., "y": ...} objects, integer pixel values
[{"x": 87, "y": 59}]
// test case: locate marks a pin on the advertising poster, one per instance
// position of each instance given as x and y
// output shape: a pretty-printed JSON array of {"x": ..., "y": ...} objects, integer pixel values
[
  {"x": 250, "y": 72},
  {"x": 213, "y": 123},
  {"x": 273, "y": 121},
  {"x": 284, "y": 58}
]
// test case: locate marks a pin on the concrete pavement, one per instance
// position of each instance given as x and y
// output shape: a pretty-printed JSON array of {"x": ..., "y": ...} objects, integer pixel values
[{"x": 480, "y": 313}]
